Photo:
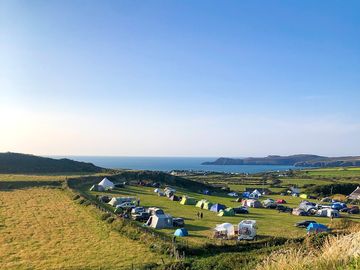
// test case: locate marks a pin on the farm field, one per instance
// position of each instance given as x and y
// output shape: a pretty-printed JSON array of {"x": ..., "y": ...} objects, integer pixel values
[
  {"x": 44, "y": 177},
  {"x": 334, "y": 172},
  {"x": 270, "y": 222},
  {"x": 44, "y": 229}
]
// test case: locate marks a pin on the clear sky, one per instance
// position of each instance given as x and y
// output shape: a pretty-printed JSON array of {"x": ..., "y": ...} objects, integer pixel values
[{"x": 180, "y": 78}]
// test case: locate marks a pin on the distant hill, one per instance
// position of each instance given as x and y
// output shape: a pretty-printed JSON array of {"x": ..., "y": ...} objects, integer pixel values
[
  {"x": 293, "y": 160},
  {"x": 23, "y": 163}
]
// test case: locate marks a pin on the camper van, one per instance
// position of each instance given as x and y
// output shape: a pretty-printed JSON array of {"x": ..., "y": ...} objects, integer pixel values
[{"x": 247, "y": 230}]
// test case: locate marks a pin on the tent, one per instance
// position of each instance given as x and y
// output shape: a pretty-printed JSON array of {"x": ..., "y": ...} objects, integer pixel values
[
  {"x": 118, "y": 200},
  {"x": 269, "y": 203},
  {"x": 160, "y": 221},
  {"x": 201, "y": 203},
  {"x": 246, "y": 195},
  {"x": 174, "y": 198},
  {"x": 181, "y": 232},
  {"x": 225, "y": 228},
  {"x": 227, "y": 212},
  {"x": 217, "y": 207},
  {"x": 97, "y": 188},
  {"x": 316, "y": 228},
  {"x": 188, "y": 201},
  {"x": 255, "y": 194},
  {"x": 106, "y": 184},
  {"x": 327, "y": 212},
  {"x": 207, "y": 205},
  {"x": 304, "y": 196},
  {"x": 252, "y": 203},
  {"x": 156, "y": 190},
  {"x": 338, "y": 205},
  {"x": 280, "y": 201},
  {"x": 299, "y": 212}
]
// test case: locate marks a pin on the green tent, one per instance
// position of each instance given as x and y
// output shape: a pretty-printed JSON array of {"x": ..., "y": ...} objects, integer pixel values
[
  {"x": 227, "y": 212},
  {"x": 207, "y": 205},
  {"x": 188, "y": 201},
  {"x": 303, "y": 196}
]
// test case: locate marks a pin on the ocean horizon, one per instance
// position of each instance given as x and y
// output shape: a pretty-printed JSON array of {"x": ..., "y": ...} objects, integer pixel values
[{"x": 167, "y": 164}]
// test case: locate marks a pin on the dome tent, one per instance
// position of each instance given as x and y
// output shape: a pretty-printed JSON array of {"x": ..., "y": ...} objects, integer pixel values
[
  {"x": 188, "y": 201},
  {"x": 316, "y": 228},
  {"x": 217, "y": 207},
  {"x": 227, "y": 212},
  {"x": 181, "y": 232}
]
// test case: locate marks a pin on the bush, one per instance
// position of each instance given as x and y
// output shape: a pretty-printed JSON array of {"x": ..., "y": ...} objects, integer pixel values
[
  {"x": 105, "y": 216},
  {"x": 110, "y": 220},
  {"x": 86, "y": 203},
  {"x": 81, "y": 201}
]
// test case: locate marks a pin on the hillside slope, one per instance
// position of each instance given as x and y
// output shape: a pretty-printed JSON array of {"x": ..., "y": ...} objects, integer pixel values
[
  {"x": 293, "y": 160},
  {"x": 23, "y": 163}
]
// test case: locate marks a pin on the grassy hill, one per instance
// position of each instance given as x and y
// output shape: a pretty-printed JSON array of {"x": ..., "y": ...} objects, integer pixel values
[{"x": 23, "y": 163}]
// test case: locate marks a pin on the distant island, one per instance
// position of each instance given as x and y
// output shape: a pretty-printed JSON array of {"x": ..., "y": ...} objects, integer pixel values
[
  {"x": 302, "y": 160},
  {"x": 24, "y": 163}
]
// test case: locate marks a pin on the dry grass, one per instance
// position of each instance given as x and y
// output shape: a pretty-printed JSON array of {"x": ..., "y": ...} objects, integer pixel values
[
  {"x": 338, "y": 252},
  {"x": 44, "y": 229}
]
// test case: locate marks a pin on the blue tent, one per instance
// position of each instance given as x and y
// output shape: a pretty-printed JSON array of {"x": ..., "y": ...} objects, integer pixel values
[
  {"x": 217, "y": 207},
  {"x": 317, "y": 227},
  {"x": 338, "y": 205},
  {"x": 246, "y": 195},
  {"x": 181, "y": 232}
]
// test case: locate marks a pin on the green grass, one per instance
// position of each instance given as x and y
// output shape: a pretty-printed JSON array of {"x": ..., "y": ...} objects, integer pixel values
[
  {"x": 270, "y": 222},
  {"x": 45, "y": 177},
  {"x": 334, "y": 172}
]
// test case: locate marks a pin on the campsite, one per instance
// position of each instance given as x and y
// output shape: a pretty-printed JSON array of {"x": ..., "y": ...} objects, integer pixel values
[{"x": 90, "y": 201}]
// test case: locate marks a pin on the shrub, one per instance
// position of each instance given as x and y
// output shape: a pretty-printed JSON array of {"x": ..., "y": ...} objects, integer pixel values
[
  {"x": 110, "y": 220},
  {"x": 81, "y": 201},
  {"x": 105, "y": 216}
]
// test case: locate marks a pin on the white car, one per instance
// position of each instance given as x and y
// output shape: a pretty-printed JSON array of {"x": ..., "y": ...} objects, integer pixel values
[{"x": 126, "y": 205}]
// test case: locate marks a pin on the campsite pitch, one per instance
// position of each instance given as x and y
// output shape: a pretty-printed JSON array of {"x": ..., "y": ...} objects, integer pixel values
[{"x": 44, "y": 229}]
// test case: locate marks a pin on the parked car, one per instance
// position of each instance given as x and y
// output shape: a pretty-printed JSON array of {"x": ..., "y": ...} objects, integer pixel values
[
  {"x": 142, "y": 216},
  {"x": 138, "y": 210},
  {"x": 241, "y": 210},
  {"x": 126, "y": 205},
  {"x": 178, "y": 222},
  {"x": 304, "y": 223}
]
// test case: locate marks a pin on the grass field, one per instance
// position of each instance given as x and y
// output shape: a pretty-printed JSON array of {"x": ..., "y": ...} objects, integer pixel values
[
  {"x": 334, "y": 172},
  {"x": 44, "y": 177},
  {"x": 45, "y": 229},
  {"x": 270, "y": 222}
]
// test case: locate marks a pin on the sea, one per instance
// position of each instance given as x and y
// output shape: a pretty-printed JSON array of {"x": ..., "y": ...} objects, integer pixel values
[{"x": 167, "y": 164}]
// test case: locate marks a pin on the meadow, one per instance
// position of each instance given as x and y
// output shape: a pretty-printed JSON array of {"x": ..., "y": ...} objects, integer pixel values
[
  {"x": 44, "y": 229},
  {"x": 44, "y": 176}
]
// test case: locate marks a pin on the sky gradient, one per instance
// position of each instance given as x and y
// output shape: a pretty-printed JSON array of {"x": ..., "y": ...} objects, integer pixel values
[{"x": 180, "y": 78}]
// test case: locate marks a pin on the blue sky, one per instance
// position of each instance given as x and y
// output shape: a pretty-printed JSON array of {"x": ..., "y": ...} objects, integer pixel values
[{"x": 180, "y": 78}]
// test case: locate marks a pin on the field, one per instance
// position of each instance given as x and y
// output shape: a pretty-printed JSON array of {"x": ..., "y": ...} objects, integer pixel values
[
  {"x": 43, "y": 177},
  {"x": 270, "y": 222},
  {"x": 335, "y": 172},
  {"x": 44, "y": 229}
]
